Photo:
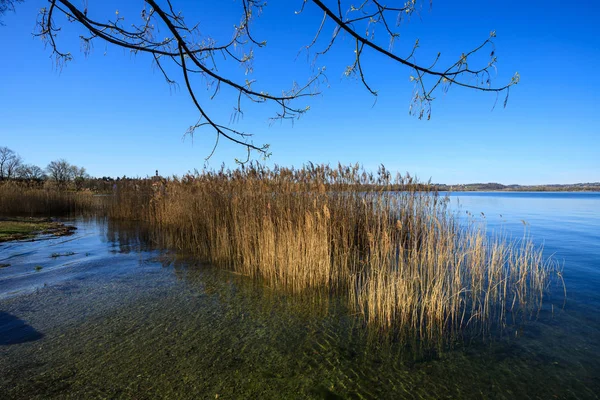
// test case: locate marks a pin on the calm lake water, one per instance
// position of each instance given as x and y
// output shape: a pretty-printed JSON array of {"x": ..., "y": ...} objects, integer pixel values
[{"x": 110, "y": 316}]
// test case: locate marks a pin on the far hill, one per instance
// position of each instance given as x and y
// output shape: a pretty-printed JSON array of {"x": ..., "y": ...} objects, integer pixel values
[{"x": 575, "y": 187}]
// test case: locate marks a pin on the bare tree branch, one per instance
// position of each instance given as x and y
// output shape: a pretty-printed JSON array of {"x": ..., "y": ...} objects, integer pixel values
[
  {"x": 458, "y": 73},
  {"x": 6, "y": 6},
  {"x": 189, "y": 54}
]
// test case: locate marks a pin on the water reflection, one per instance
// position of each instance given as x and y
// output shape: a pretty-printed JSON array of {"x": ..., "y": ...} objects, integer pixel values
[{"x": 127, "y": 236}]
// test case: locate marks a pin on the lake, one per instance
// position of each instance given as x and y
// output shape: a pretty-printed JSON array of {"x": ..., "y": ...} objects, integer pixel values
[{"x": 106, "y": 314}]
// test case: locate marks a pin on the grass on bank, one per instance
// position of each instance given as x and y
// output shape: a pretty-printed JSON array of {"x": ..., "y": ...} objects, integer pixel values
[{"x": 29, "y": 228}]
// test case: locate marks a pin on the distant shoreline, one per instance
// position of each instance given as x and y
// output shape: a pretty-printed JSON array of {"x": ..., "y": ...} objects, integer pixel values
[
  {"x": 521, "y": 190},
  {"x": 496, "y": 187}
]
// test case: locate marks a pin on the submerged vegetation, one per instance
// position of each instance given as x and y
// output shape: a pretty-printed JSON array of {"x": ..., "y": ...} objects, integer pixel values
[
  {"x": 65, "y": 254},
  {"x": 389, "y": 247}
]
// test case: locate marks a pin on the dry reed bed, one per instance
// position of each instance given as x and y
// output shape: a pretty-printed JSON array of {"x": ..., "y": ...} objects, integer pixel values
[
  {"x": 401, "y": 258},
  {"x": 23, "y": 199}
]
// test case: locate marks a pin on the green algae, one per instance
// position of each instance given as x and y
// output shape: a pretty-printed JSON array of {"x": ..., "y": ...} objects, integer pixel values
[{"x": 65, "y": 254}]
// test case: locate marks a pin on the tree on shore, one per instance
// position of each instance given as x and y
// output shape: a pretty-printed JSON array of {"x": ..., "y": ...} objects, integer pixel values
[
  {"x": 30, "y": 172},
  {"x": 182, "y": 49},
  {"x": 60, "y": 172},
  {"x": 9, "y": 163},
  {"x": 12, "y": 166},
  {"x": 79, "y": 175}
]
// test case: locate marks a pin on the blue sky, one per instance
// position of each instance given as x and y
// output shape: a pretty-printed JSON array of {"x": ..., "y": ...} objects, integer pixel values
[{"x": 114, "y": 114}]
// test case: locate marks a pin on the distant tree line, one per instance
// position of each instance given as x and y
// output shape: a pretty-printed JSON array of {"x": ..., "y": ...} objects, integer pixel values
[{"x": 58, "y": 172}]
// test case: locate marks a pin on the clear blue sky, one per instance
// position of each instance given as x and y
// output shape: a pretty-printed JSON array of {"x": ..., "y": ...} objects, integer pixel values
[{"x": 114, "y": 114}]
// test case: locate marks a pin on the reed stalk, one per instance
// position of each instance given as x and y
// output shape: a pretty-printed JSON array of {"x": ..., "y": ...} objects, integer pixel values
[
  {"x": 22, "y": 199},
  {"x": 390, "y": 246}
]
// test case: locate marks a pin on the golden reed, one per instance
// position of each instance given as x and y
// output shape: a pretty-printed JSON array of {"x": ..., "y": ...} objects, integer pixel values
[
  {"x": 21, "y": 198},
  {"x": 390, "y": 246}
]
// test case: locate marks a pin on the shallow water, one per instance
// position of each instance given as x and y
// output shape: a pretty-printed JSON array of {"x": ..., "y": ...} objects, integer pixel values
[{"x": 122, "y": 319}]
